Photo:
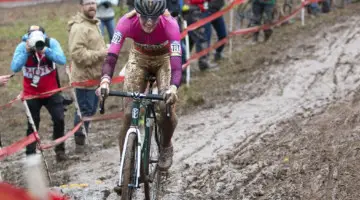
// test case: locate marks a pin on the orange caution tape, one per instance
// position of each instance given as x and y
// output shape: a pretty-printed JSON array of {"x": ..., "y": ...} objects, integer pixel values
[{"x": 17, "y": 146}]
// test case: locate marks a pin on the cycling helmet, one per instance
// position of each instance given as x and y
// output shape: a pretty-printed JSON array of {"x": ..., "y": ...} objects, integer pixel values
[{"x": 150, "y": 8}]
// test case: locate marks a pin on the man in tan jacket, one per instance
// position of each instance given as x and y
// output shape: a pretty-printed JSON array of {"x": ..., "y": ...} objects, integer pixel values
[{"x": 87, "y": 51}]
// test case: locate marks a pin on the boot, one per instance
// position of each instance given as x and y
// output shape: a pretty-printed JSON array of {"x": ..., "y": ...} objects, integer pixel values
[
  {"x": 80, "y": 143},
  {"x": 256, "y": 37},
  {"x": 165, "y": 159},
  {"x": 60, "y": 152},
  {"x": 267, "y": 34},
  {"x": 205, "y": 64},
  {"x": 60, "y": 156},
  {"x": 219, "y": 56}
]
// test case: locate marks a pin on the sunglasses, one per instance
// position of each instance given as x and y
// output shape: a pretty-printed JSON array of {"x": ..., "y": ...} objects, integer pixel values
[{"x": 146, "y": 18}]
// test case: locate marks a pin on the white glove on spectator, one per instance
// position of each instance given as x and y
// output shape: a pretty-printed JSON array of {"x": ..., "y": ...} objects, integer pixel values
[{"x": 171, "y": 95}]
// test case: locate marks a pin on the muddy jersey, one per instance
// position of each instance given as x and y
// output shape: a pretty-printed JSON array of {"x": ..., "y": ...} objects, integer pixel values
[{"x": 165, "y": 39}]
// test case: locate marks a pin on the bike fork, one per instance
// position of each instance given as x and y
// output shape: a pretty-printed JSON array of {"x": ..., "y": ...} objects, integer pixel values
[{"x": 138, "y": 156}]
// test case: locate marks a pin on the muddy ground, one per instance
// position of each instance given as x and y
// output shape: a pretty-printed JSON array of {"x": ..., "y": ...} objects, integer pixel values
[{"x": 279, "y": 121}]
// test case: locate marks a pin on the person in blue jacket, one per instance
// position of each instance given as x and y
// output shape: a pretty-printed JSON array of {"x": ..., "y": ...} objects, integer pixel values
[{"x": 37, "y": 56}]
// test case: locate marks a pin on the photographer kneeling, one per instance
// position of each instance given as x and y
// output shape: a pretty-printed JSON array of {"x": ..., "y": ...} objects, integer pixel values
[{"x": 36, "y": 56}]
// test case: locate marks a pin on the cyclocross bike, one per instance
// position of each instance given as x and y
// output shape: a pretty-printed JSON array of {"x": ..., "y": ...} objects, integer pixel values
[{"x": 140, "y": 157}]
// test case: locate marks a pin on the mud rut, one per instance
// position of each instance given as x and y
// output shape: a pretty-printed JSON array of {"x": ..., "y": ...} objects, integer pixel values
[{"x": 268, "y": 146}]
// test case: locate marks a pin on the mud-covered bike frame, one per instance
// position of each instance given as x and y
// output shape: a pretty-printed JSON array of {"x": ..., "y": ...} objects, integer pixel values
[{"x": 135, "y": 159}]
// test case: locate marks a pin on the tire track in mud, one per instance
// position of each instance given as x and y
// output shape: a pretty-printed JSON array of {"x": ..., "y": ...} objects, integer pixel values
[{"x": 309, "y": 85}]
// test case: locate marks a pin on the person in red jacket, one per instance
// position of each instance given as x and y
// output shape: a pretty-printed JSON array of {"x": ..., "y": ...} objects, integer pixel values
[{"x": 38, "y": 56}]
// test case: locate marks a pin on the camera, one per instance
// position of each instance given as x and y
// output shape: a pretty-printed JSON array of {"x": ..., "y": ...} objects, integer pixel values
[{"x": 37, "y": 40}]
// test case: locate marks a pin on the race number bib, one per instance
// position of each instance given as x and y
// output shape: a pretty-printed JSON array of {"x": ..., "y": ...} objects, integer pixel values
[
  {"x": 175, "y": 48},
  {"x": 116, "y": 38}
]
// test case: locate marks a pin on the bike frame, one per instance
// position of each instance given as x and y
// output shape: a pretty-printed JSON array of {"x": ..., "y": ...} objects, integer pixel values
[{"x": 134, "y": 128}]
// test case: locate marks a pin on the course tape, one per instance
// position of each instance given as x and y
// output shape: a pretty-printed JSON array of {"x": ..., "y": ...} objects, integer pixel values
[
  {"x": 72, "y": 132},
  {"x": 88, "y": 83},
  {"x": 210, "y": 18},
  {"x": 197, "y": 55},
  {"x": 63, "y": 138},
  {"x": 17, "y": 146}
]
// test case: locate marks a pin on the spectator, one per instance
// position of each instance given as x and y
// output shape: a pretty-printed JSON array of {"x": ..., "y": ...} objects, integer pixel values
[
  {"x": 261, "y": 7},
  {"x": 4, "y": 79},
  {"x": 192, "y": 14},
  {"x": 219, "y": 26},
  {"x": 87, "y": 50},
  {"x": 326, "y": 6},
  {"x": 313, "y": 9},
  {"x": 130, "y": 4},
  {"x": 174, "y": 7},
  {"x": 106, "y": 14},
  {"x": 36, "y": 55}
]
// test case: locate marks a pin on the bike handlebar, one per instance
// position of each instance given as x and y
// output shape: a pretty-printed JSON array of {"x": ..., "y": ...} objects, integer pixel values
[{"x": 134, "y": 95}]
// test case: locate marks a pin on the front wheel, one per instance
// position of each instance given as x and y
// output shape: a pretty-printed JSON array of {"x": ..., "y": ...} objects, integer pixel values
[
  {"x": 129, "y": 168},
  {"x": 150, "y": 169}
]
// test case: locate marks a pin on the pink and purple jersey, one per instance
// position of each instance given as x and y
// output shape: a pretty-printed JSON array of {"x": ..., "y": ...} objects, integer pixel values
[{"x": 165, "y": 38}]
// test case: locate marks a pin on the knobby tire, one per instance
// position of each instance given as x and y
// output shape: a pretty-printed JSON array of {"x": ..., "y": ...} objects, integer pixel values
[
  {"x": 129, "y": 172},
  {"x": 153, "y": 181}
]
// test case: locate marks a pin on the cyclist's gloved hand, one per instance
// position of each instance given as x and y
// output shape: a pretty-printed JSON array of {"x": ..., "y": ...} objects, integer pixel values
[
  {"x": 104, "y": 84},
  {"x": 170, "y": 95}
]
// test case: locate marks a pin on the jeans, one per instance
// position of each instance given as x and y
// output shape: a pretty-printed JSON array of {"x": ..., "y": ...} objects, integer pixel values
[
  {"x": 220, "y": 28},
  {"x": 314, "y": 8},
  {"x": 55, "y": 107},
  {"x": 110, "y": 26},
  {"x": 199, "y": 36},
  {"x": 88, "y": 102},
  {"x": 259, "y": 9}
]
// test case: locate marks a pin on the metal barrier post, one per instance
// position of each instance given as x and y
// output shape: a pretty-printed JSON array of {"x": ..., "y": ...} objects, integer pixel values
[
  {"x": 31, "y": 121},
  {"x": 303, "y": 13},
  {"x": 230, "y": 30},
  {"x": 187, "y": 46}
]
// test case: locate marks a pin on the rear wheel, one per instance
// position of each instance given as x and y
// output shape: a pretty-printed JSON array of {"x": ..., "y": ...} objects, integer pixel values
[
  {"x": 153, "y": 177},
  {"x": 129, "y": 168}
]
